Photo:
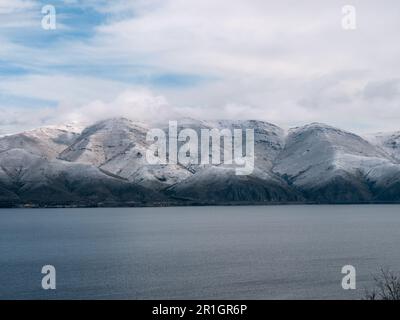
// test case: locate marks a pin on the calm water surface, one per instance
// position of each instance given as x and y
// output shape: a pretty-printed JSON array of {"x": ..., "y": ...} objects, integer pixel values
[{"x": 271, "y": 252}]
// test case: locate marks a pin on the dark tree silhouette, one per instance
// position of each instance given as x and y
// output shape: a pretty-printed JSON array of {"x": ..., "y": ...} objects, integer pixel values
[{"x": 387, "y": 286}]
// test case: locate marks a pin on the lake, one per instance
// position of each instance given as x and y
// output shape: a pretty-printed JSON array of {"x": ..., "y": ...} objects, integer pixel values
[{"x": 260, "y": 252}]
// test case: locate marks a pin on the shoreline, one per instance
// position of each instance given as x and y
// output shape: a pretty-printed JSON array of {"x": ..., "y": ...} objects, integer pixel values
[{"x": 187, "y": 204}]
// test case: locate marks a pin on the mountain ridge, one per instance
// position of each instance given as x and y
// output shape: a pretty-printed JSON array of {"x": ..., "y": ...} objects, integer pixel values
[{"x": 104, "y": 164}]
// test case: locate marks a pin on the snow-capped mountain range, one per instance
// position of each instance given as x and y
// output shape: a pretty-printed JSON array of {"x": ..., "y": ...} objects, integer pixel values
[{"x": 104, "y": 164}]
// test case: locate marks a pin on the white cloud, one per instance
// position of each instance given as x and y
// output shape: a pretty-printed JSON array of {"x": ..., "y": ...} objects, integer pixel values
[
  {"x": 18, "y": 14},
  {"x": 12, "y": 6},
  {"x": 136, "y": 104},
  {"x": 287, "y": 62},
  {"x": 68, "y": 90}
]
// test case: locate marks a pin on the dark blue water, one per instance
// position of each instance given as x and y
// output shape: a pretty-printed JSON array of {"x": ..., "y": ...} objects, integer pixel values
[{"x": 271, "y": 252}]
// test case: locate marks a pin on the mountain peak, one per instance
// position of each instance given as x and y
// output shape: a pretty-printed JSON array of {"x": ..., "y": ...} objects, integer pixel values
[
  {"x": 314, "y": 126},
  {"x": 316, "y": 162}
]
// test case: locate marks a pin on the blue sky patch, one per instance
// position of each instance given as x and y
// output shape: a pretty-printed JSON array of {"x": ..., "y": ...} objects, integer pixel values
[{"x": 10, "y": 100}]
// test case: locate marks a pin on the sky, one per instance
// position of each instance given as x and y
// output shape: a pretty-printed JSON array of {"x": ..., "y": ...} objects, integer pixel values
[{"x": 287, "y": 62}]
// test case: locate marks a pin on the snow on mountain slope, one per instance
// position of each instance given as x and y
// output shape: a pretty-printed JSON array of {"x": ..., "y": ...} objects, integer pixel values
[
  {"x": 385, "y": 182},
  {"x": 268, "y": 139},
  {"x": 34, "y": 178},
  {"x": 46, "y": 141},
  {"x": 106, "y": 163},
  {"x": 220, "y": 185},
  {"x": 389, "y": 142},
  {"x": 329, "y": 163},
  {"x": 119, "y": 147},
  {"x": 102, "y": 141}
]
